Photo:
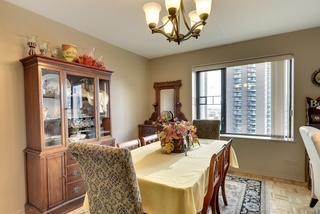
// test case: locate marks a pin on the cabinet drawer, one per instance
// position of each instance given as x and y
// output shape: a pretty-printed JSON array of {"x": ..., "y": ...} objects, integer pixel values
[
  {"x": 75, "y": 189},
  {"x": 73, "y": 173},
  {"x": 70, "y": 159}
]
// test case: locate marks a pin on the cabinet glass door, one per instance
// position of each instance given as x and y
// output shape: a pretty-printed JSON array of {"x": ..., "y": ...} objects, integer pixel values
[
  {"x": 104, "y": 114},
  {"x": 80, "y": 108},
  {"x": 51, "y": 107}
]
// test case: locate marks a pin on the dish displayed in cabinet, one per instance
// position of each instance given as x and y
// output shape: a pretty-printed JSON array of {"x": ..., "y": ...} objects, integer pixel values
[
  {"x": 104, "y": 112},
  {"x": 50, "y": 85},
  {"x": 81, "y": 108},
  {"x": 51, "y": 107}
]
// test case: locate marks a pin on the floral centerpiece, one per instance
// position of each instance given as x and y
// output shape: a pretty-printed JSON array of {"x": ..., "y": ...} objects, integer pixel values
[{"x": 177, "y": 136}]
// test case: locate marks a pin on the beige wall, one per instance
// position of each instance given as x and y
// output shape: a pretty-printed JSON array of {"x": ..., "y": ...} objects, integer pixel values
[
  {"x": 128, "y": 96},
  {"x": 130, "y": 102},
  {"x": 278, "y": 159}
]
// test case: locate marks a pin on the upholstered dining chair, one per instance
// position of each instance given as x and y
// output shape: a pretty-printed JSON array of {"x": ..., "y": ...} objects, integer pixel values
[
  {"x": 215, "y": 178},
  {"x": 150, "y": 139},
  {"x": 311, "y": 139},
  {"x": 109, "y": 177},
  {"x": 131, "y": 144},
  {"x": 226, "y": 164},
  {"x": 208, "y": 129}
]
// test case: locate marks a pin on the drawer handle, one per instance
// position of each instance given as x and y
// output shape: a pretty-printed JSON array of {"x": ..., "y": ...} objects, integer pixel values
[
  {"x": 76, "y": 189},
  {"x": 76, "y": 173}
]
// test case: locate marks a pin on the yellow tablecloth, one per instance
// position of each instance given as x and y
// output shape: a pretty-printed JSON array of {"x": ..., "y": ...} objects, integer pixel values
[{"x": 174, "y": 183}]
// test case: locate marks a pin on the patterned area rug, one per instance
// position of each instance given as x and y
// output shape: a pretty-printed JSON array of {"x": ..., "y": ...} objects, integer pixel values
[{"x": 243, "y": 196}]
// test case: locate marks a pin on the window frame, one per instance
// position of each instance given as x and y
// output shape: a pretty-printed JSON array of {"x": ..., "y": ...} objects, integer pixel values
[{"x": 223, "y": 69}]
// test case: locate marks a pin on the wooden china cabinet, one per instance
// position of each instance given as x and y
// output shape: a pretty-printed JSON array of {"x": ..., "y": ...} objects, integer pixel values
[{"x": 65, "y": 103}]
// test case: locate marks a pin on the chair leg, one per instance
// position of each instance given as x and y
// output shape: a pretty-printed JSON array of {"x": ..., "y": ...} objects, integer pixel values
[
  {"x": 223, "y": 190},
  {"x": 204, "y": 211},
  {"x": 213, "y": 210},
  {"x": 213, "y": 202},
  {"x": 217, "y": 202},
  {"x": 313, "y": 202}
]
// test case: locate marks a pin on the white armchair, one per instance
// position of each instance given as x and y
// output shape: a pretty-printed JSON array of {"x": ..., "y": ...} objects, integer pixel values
[{"x": 307, "y": 134}]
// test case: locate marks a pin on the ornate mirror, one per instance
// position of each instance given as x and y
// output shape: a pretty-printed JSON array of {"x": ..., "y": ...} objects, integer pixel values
[{"x": 167, "y": 99}]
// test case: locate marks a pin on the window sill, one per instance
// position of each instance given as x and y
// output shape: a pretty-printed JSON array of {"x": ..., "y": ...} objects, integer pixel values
[{"x": 258, "y": 137}]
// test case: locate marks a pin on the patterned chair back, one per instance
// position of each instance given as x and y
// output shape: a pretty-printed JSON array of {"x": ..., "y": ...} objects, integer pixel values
[
  {"x": 208, "y": 129},
  {"x": 110, "y": 178}
]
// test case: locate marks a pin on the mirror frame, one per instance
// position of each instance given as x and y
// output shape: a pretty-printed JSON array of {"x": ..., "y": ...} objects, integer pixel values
[{"x": 158, "y": 86}]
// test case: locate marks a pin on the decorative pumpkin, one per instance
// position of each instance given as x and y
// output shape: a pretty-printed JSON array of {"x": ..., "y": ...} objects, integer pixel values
[{"x": 69, "y": 52}]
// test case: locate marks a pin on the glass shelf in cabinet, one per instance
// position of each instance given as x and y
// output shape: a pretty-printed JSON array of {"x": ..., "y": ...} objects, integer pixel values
[
  {"x": 51, "y": 97},
  {"x": 51, "y": 119}
]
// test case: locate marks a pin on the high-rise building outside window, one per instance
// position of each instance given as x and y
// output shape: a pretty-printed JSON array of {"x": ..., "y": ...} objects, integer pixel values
[{"x": 250, "y": 99}]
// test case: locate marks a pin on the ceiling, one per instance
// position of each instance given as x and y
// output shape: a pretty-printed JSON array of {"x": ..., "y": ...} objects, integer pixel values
[{"x": 122, "y": 22}]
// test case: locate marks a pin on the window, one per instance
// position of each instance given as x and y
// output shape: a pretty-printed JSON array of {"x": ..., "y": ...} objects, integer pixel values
[
  {"x": 210, "y": 95},
  {"x": 254, "y": 98}
]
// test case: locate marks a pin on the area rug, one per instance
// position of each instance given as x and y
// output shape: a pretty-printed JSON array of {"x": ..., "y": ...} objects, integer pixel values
[{"x": 244, "y": 196}]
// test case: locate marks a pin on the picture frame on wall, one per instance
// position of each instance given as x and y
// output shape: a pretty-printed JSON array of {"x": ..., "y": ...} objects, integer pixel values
[{"x": 316, "y": 78}]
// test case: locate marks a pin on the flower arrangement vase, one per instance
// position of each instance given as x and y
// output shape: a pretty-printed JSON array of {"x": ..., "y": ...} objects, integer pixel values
[{"x": 178, "y": 146}]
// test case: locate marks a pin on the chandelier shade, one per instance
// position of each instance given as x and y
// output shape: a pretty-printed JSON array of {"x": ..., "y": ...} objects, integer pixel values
[
  {"x": 173, "y": 6},
  {"x": 152, "y": 12},
  {"x": 203, "y": 7},
  {"x": 177, "y": 19}
]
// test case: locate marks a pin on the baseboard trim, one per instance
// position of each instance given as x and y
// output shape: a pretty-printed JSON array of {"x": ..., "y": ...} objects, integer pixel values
[
  {"x": 263, "y": 177},
  {"x": 60, "y": 209}
]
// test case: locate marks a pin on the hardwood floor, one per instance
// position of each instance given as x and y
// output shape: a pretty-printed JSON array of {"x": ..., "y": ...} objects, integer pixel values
[
  {"x": 282, "y": 196},
  {"x": 285, "y": 197}
]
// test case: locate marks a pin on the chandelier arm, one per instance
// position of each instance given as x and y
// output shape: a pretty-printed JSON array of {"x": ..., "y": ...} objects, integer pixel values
[
  {"x": 198, "y": 24},
  {"x": 189, "y": 34},
  {"x": 176, "y": 27},
  {"x": 187, "y": 37},
  {"x": 184, "y": 15},
  {"x": 192, "y": 30},
  {"x": 158, "y": 30},
  {"x": 178, "y": 21},
  {"x": 161, "y": 26},
  {"x": 172, "y": 31}
]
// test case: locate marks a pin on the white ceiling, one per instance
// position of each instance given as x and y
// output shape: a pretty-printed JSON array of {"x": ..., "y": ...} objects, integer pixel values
[{"x": 122, "y": 22}]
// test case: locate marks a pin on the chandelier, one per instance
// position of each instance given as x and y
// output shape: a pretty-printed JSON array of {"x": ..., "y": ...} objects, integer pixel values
[{"x": 170, "y": 27}]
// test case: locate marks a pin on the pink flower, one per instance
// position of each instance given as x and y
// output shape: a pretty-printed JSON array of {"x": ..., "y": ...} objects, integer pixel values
[{"x": 177, "y": 130}]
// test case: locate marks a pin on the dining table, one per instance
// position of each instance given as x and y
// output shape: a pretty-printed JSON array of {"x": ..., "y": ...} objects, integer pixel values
[{"x": 174, "y": 183}]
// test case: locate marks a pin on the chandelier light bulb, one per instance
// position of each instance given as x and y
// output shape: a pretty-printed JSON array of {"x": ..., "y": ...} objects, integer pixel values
[
  {"x": 152, "y": 11},
  {"x": 173, "y": 6},
  {"x": 203, "y": 8},
  {"x": 169, "y": 26}
]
